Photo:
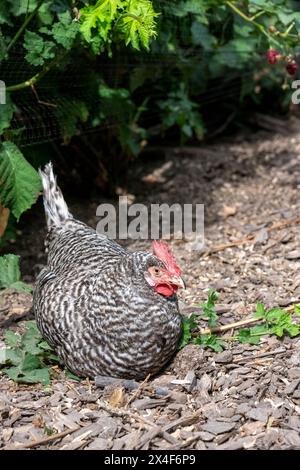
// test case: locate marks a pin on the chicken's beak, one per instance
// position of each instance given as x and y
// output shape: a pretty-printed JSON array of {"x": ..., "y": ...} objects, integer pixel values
[{"x": 178, "y": 281}]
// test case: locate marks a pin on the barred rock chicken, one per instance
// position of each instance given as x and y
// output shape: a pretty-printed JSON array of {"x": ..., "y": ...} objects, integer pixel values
[{"x": 104, "y": 310}]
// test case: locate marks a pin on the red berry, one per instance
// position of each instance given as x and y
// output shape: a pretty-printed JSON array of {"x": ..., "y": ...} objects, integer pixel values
[
  {"x": 272, "y": 56},
  {"x": 292, "y": 68}
]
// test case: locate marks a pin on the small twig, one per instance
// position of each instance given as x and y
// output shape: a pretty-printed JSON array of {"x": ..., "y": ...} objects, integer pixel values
[
  {"x": 45, "y": 103},
  {"x": 45, "y": 440},
  {"x": 184, "y": 421},
  {"x": 219, "y": 329},
  {"x": 138, "y": 391},
  {"x": 121, "y": 412},
  {"x": 259, "y": 356}
]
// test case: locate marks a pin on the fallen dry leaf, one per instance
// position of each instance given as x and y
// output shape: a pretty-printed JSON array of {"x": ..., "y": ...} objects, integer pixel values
[{"x": 117, "y": 398}]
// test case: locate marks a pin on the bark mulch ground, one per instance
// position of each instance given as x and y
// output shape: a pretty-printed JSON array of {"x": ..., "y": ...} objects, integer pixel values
[{"x": 246, "y": 397}]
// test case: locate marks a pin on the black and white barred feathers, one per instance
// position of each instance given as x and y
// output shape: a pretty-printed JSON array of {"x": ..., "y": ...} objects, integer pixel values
[{"x": 92, "y": 302}]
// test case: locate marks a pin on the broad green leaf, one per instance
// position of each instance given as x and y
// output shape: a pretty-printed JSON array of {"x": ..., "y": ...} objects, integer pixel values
[
  {"x": 4, "y": 14},
  {"x": 14, "y": 356},
  {"x": 22, "y": 7},
  {"x": 210, "y": 341},
  {"x": 11, "y": 356},
  {"x": 244, "y": 336},
  {"x": 30, "y": 343},
  {"x": 31, "y": 376},
  {"x": 32, "y": 326},
  {"x": 13, "y": 373},
  {"x": 65, "y": 31},
  {"x": 12, "y": 339},
  {"x": 30, "y": 363},
  {"x": 20, "y": 183},
  {"x": 34, "y": 376},
  {"x": 293, "y": 329},
  {"x": 9, "y": 270},
  {"x": 39, "y": 49},
  {"x": 6, "y": 112}
]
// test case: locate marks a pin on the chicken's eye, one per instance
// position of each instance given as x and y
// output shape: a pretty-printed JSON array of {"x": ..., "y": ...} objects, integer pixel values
[{"x": 156, "y": 271}]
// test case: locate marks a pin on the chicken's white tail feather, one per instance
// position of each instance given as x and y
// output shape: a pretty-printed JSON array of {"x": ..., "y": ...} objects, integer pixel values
[{"x": 56, "y": 209}]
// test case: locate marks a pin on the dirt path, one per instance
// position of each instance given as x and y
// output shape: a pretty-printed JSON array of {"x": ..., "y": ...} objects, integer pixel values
[{"x": 245, "y": 397}]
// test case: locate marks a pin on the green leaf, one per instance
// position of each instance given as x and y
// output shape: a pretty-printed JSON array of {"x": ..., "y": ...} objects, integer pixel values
[
  {"x": 4, "y": 14},
  {"x": 34, "y": 376},
  {"x": 30, "y": 343},
  {"x": 297, "y": 310},
  {"x": 45, "y": 346},
  {"x": 11, "y": 356},
  {"x": 12, "y": 339},
  {"x": 210, "y": 341},
  {"x": 244, "y": 336},
  {"x": 19, "y": 182},
  {"x": 188, "y": 326},
  {"x": 39, "y": 375},
  {"x": 39, "y": 50},
  {"x": 9, "y": 270},
  {"x": 208, "y": 308},
  {"x": 293, "y": 329},
  {"x": 72, "y": 376},
  {"x": 201, "y": 36},
  {"x": 7, "y": 112},
  {"x": 22, "y": 7},
  {"x": 139, "y": 23},
  {"x": 260, "y": 311},
  {"x": 66, "y": 30},
  {"x": 13, "y": 373},
  {"x": 28, "y": 357},
  {"x": 14, "y": 356},
  {"x": 30, "y": 362},
  {"x": 99, "y": 17}
]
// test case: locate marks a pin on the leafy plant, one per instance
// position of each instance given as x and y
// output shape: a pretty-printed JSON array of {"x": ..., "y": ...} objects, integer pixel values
[
  {"x": 27, "y": 358},
  {"x": 178, "y": 109},
  {"x": 210, "y": 341},
  {"x": 189, "y": 325},
  {"x": 274, "y": 321},
  {"x": 131, "y": 20},
  {"x": 209, "y": 310},
  {"x": 10, "y": 274}
]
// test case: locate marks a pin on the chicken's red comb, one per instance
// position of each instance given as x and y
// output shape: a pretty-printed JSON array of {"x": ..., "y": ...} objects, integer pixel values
[{"x": 161, "y": 250}]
